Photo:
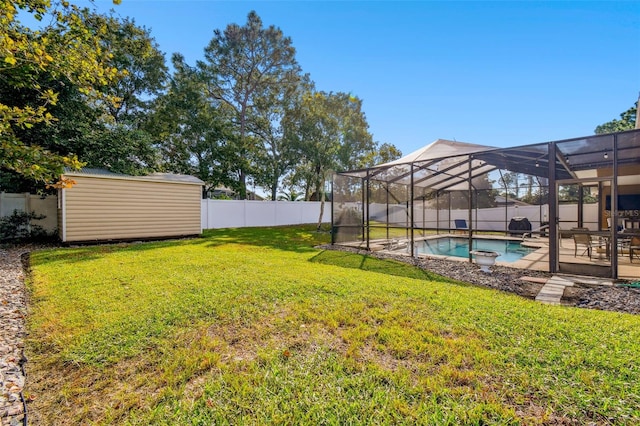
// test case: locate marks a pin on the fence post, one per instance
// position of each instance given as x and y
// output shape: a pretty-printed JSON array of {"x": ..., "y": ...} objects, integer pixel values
[
  {"x": 27, "y": 209},
  {"x": 245, "y": 206}
]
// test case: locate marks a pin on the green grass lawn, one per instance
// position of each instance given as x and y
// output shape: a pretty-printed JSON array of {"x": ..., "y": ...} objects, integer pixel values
[{"x": 255, "y": 326}]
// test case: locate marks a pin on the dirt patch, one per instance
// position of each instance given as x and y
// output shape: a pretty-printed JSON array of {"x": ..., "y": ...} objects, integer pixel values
[{"x": 528, "y": 289}]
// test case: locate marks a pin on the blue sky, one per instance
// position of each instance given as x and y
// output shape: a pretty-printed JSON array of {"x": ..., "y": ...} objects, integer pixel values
[{"x": 493, "y": 73}]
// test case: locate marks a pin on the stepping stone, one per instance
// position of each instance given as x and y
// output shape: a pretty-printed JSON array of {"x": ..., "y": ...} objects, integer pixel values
[
  {"x": 551, "y": 293},
  {"x": 538, "y": 280}
]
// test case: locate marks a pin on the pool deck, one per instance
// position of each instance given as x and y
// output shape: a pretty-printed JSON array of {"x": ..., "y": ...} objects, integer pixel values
[{"x": 537, "y": 260}]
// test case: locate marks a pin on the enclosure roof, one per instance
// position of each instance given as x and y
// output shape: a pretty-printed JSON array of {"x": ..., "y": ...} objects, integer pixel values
[
  {"x": 435, "y": 151},
  {"x": 438, "y": 149},
  {"x": 155, "y": 177},
  {"x": 446, "y": 164}
]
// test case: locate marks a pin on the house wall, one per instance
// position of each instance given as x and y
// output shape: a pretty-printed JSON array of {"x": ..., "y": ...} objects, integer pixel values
[
  {"x": 632, "y": 219},
  {"x": 107, "y": 208}
]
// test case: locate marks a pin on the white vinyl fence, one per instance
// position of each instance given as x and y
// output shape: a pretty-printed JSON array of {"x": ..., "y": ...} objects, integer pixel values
[
  {"x": 214, "y": 213},
  {"x": 238, "y": 214},
  {"x": 37, "y": 204},
  {"x": 488, "y": 219}
]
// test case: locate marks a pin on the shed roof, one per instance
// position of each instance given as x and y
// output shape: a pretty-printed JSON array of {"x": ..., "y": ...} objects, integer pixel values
[{"x": 155, "y": 177}]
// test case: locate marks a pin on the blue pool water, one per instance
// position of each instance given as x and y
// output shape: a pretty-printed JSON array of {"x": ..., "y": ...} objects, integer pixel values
[{"x": 510, "y": 251}]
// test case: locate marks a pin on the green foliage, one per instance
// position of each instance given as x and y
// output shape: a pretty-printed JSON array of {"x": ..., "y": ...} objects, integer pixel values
[
  {"x": 277, "y": 155},
  {"x": 64, "y": 49},
  {"x": 196, "y": 137},
  {"x": 526, "y": 188},
  {"x": 291, "y": 195},
  {"x": 18, "y": 227},
  {"x": 383, "y": 153},
  {"x": 133, "y": 50},
  {"x": 122, "y": 138},
  {"x": 76, "y": 108},
  {"x": 256, "y": 326},
  {"x": 329, "y": 131},
  {"x": 251, "y": 72},
  {"x": 570, "y": 193},
  {"x": 627, "y": 122},
  {"x": 120, "y": 149},
  {"x": 221, "y": 196},
  {"x": 88, "y": 90}
]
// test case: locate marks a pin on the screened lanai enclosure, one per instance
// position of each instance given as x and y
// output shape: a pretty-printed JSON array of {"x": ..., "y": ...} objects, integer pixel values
[{"x": 450, "y": 198}]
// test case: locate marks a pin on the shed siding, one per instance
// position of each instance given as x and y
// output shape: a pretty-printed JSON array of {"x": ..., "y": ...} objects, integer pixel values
[{"x": 110, "y": 209}]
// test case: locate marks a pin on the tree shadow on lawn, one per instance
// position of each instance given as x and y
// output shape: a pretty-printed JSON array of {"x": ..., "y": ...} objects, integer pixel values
[
  {"x": 367, "y": 263},
  {"x": 94, "y": 251},
  {"x": 300, "y": 239}
]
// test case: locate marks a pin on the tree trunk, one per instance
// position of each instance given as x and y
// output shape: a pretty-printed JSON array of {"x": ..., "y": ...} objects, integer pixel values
[
  {"x": 276, "y": 180},
  {"x": 307, "y": 191},
  {"x": 243, "y": 144},
  {"x": 243, "y": 185},
  {"x": 321, "y": 193}
]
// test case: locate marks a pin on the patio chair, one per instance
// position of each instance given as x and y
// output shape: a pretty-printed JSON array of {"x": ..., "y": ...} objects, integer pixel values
[
  {"x": 621, "y": 227},
  {"x": 634, "y": 247},
  {"x": 582, "y": 242},
  {"x": 461, "y": 225}
]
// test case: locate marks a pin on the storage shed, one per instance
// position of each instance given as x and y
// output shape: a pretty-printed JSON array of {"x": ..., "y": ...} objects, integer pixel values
[{"x": 103, "y": 206}]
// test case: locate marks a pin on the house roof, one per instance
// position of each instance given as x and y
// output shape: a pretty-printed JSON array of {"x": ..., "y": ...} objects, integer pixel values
[{"x": 155, "y": 177}]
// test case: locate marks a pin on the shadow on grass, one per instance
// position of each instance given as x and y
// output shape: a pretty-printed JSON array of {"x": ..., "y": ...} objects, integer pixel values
[
  {"x": 83, "y": 253},
  {"x": 372, "y": 264},
  {"x": 301, "y": 239}
]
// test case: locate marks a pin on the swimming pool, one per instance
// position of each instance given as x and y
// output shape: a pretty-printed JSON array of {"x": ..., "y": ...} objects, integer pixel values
[{"x": 509, "y": 250}]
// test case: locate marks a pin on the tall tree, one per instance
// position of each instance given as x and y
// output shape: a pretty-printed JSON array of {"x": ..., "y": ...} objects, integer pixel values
[
  {"x": 246, "y": 68},
  {"x": 627, "y": 122},
  {"x": 276, "y": 155},
  {"x": 330, "y": 131},
  {"x": 133, "y": 50},
  {"x": 64, "y": 49},
  {"x": 106, "y": 128},
  {"x": 123, "y": 139},
  {"x": 510, "y": 182},
  {"x": 194, "y": 135},
  {"x": 74, "y": 118},
  {"x": 383, "y": 153}
]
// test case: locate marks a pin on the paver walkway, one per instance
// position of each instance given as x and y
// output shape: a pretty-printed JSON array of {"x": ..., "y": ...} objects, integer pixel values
[{"x": 552, "y": 291}]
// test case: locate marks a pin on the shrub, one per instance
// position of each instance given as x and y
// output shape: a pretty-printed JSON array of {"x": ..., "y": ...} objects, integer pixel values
[{"x": 18, "y": 227}]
